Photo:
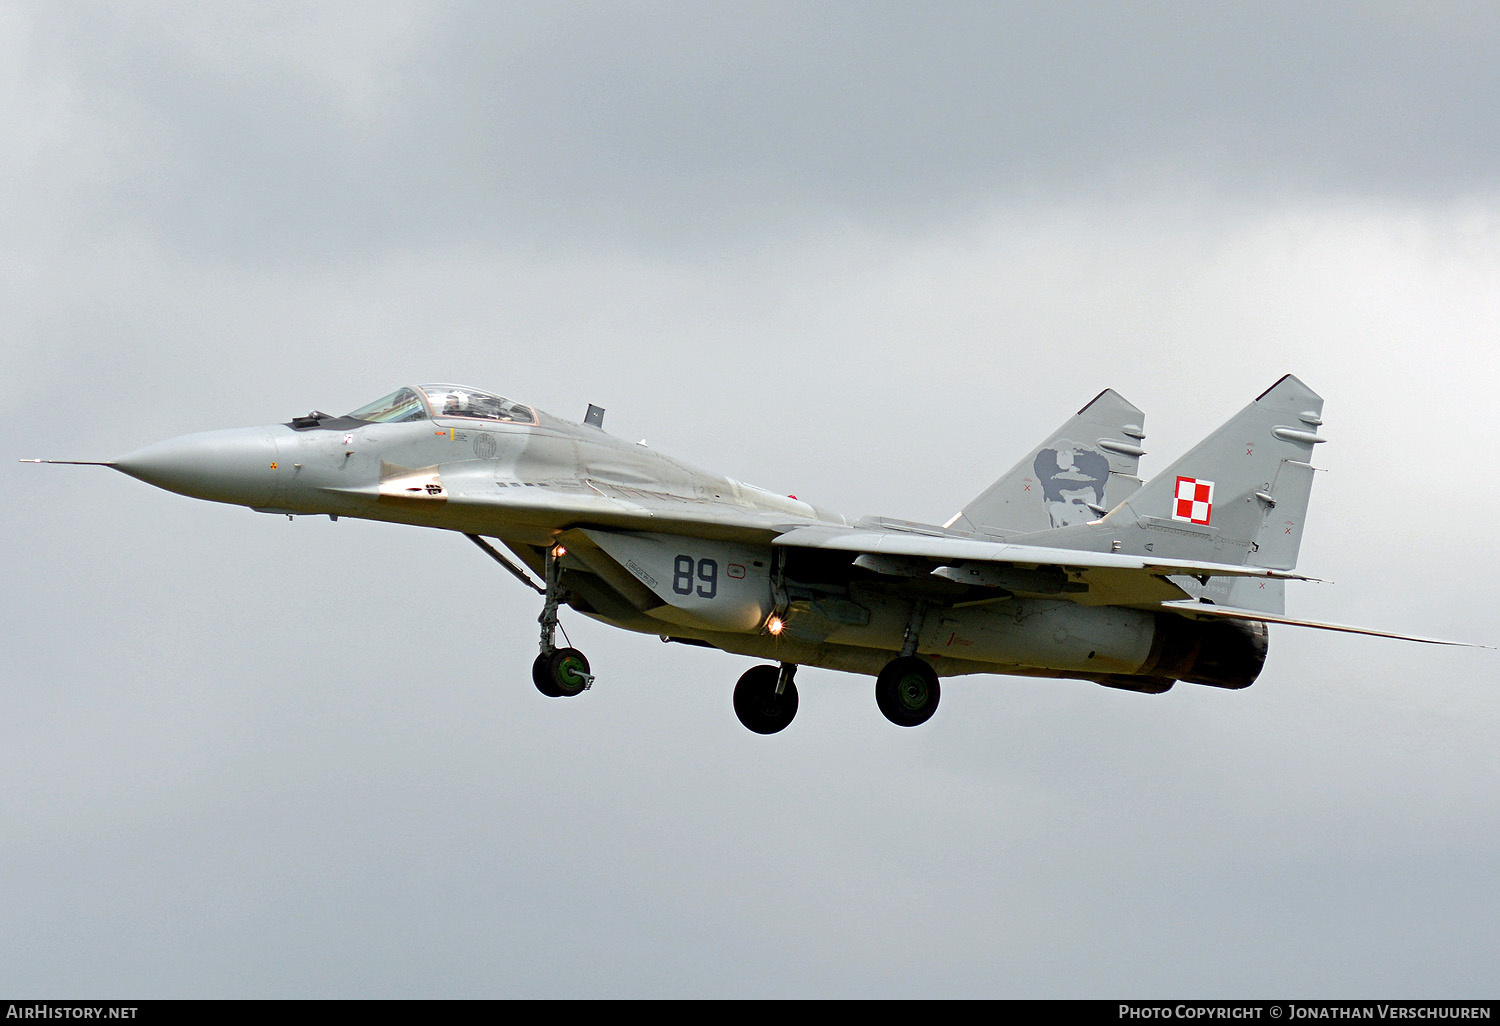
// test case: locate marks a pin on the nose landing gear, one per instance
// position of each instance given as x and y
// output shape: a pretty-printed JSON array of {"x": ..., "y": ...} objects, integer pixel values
[{"x": 557, "y": 672}]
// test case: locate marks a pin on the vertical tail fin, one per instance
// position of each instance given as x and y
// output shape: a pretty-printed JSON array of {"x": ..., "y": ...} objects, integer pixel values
[
  {"x": 1238, "y": 496},
  {"x": 1083, "y": 469}
]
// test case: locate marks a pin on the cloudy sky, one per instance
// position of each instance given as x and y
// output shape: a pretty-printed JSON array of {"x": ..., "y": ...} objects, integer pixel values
[{"x": 864, "y": 252}]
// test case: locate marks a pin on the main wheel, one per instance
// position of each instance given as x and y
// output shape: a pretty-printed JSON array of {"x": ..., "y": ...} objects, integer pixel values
[
  {"x": 568, "y": 672},
  {"x": 907, "y": 691},
  {"x": 758, "y": 705}
]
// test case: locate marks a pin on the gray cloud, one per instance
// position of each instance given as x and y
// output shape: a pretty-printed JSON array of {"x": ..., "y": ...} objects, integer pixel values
[{"x": 237, "y": 131}]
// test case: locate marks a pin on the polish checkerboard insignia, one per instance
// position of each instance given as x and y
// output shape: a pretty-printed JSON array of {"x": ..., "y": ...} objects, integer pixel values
[{"x": 1194, "y": 501}]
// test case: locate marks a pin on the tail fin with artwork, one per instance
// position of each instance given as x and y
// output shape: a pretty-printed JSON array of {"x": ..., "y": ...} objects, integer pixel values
[{"x": 1084, "y": 469}]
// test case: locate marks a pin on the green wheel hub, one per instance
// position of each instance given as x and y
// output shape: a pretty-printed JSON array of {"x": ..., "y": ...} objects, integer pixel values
[
  {"x": 912, "y": 691},
  {"x": 568, "y": 672}
]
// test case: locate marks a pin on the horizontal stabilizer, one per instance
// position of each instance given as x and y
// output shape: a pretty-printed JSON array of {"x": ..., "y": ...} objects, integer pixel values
[{"x": 1193, "y": 608}]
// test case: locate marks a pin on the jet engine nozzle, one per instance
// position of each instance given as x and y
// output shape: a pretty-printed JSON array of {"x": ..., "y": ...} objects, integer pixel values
[{"x": 1221, "y": 654}]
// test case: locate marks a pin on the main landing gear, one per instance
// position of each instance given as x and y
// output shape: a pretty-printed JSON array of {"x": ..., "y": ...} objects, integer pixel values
[
  {"x": 907, "y": 692},
  {"x": 557, "y": 672},
  {"x": 907, "y": 688},
  {"x": 765, "y": 699}
]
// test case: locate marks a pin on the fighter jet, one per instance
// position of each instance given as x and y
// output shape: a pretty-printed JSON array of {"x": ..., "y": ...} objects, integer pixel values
[{"x": 1068, "y": 566}]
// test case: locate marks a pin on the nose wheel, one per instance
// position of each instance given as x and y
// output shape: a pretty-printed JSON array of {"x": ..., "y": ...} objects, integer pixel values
[{"x": 562, "y": 673}]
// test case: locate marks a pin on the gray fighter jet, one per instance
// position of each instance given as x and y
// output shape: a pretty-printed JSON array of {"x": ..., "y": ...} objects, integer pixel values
[{"x": 1068, "y": 566}]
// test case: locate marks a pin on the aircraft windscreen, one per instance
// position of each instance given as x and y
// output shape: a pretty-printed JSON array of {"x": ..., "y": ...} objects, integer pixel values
[
  {"x": 460, "y": 401},
  {"x": 396, "y": 408}
]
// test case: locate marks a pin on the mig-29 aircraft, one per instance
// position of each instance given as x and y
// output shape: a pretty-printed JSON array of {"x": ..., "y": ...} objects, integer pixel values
[{"x": 1068, "y": 566}]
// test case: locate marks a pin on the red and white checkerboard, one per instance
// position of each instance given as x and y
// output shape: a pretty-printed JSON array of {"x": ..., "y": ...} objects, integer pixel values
[{"x": 1194, "y": 501}]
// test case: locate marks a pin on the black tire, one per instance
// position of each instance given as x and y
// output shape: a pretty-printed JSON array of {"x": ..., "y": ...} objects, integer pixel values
[
  {"x": 758, "y": 705},
  {"x": 907, "y": 691},
  {"x": 541, "y": 678},
  {"x": 568, "y": 672}
]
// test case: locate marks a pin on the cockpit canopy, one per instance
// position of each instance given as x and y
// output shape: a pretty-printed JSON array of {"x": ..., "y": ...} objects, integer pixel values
[
  {"x": 424, "y": 402},
  {"x": 396, "y": 408}
]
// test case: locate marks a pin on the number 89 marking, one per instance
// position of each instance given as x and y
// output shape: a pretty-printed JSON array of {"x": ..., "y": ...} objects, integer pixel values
[{"x": 708, "y": 575}]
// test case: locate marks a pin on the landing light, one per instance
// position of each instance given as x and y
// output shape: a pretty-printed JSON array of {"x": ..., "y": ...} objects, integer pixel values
[{"x": 775, "y": 625}]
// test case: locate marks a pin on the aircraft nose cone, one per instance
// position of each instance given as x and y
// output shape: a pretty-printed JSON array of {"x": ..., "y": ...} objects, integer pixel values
[{"x": 237, "y": 466}]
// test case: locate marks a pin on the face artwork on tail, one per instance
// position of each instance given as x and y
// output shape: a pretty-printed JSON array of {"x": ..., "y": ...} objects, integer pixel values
[{"x": 1073, "y": 480}]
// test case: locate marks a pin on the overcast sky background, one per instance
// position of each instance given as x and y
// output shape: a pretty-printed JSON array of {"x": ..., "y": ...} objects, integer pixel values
[{"x": 866, "y": 253}]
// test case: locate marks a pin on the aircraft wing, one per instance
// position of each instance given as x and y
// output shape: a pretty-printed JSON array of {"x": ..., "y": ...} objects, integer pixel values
[{"x": 1088, "y": 578}]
